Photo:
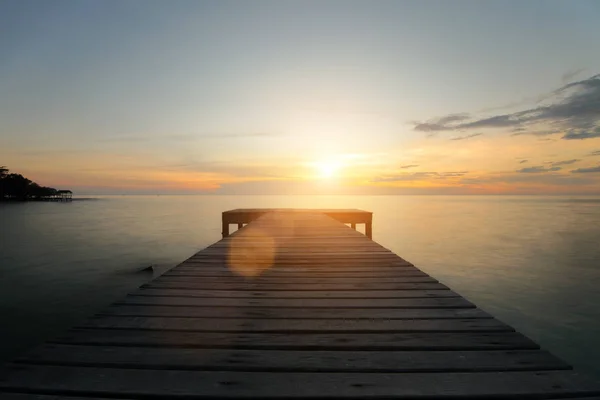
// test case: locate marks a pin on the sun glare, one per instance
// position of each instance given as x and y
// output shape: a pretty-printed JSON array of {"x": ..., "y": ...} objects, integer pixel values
[{"x": 327, "y": 169}]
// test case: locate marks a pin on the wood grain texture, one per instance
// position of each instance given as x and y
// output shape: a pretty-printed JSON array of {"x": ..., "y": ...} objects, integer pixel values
[
  {"x": 22, "y": 396},
  {"x": 286, "y": 286},
  {"x": 293, "y": 384},
  {"x": 294, "y": 313},
  {"x": 302, "y": 294},
  {"x": 296, "y": 325},
  {"x": 296, "y": 361},
  {"x": 450, "y": 302},
  {"x": 226, "y": 273},
  {"x": 276, "y": 280},
  {"x": 385, "y": 341}
]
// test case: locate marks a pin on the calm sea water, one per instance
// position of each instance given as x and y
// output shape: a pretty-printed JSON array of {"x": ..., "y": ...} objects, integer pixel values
[{"x": 534, "y": 262}]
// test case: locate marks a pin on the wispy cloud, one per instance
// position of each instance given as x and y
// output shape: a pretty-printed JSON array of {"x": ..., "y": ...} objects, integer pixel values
[
  {"x": 536, "y": 182},
  {"x": 442, "y": 123},
  {"x": 582, "y": 134},
  {"x": 565, "y": 162},
  {"x": 184, "y": 137},
  {"x": 586, "y": 170},
  {"x": 272, "y": 168},
  {"x": 575, "y": 107},
  {"x": 538, "y": 169},
  {"x": 523, "y": 161},
  {"x": 570, "y": 75},
  {"x": 148, "y": 138},
  {"x": 466, "y": 136},
  {"x": 238, "y": 135},
  {"x": 595, "y": 153},
  {"x": 418, "y": 176},
  {"x": 409, "y": 166},
  {"x": 124, "y": 139}
]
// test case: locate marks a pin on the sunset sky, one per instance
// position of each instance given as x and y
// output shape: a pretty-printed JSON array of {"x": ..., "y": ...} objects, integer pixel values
[{"x": 302, "y": 97}]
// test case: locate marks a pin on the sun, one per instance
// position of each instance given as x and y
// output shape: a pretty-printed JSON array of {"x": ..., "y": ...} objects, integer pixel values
[{"x": 327, "y": 169}]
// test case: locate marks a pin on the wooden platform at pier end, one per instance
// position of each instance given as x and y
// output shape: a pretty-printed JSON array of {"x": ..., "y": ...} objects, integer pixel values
[
  {"x": 293, "y": 305},
  {"x": 243, "y": 216}
]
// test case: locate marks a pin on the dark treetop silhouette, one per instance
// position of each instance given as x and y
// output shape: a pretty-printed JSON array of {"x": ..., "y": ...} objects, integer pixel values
[{"x": 16, "y": 187}]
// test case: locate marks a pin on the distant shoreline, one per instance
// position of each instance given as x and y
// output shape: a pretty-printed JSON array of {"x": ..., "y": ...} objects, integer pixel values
[{"x": 48, "y": 200}]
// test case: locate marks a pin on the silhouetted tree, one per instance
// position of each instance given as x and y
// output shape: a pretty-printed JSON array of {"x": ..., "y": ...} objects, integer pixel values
[
  {"x": 3, "y": 173},
  {"x": 39, "y": 192},
  {"x": 17, "y": 187}
]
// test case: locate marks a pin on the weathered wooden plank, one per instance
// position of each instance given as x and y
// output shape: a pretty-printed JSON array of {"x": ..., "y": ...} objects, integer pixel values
[
  {"x": 304, "y": 270},
  {"x": 277, "y": 286},
  {"x": 296, "y": 361},
  {"x": 340, "y": 237},
  {"x": 298, "y": 247},
  {"x": 288, "y": 242},
  {"x": 302, "y": 294},
  {"x": 297, "y": 325},
  {"x": 202, "y": 258},
  {"x": 280, "y": 239},
  {"x": 316, "y": 264},
  {"x": 228, "y": 384},
  {"x": 244, "y": 253},
  {"x": 285, "y": 237},
  {"x": 265, "y": 275},
  {"x": 316, "y": 246},
  {"x": 330, "y": 268},
  {"x": 327, "y": 236},
  {"x": 263, "y": 278},
  {"x": 361, "y": 240},
  {"x": 301, "y": 271},
  {"x": 25, "y": 396},
  {"x": 228, "y": 273},
  {"x": 294, "y": 313},
  {"x": 322, "y": 260},
  {"x": 241, "y": 252},
  {"x": 289, "y": 257},
  {"x": 578, "y": 398},
  {"x": 453, "y": 302},
  {"x": 302, "y": 341},
  {"x": 331, "y": 262},
  {"x": 341, "y": 279},
  {"x": 336, "y": 235}
]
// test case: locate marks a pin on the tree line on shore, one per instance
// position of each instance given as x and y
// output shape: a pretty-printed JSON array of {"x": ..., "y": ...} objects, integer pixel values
[{"x": 17, "y": 187}]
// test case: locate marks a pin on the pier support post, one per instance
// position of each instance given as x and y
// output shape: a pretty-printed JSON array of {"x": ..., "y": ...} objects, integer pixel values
[
  {"x": 224, "y": 226},
  {"x": 369, "y": 229}
]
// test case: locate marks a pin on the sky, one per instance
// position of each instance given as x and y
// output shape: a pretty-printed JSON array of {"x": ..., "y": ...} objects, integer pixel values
[{"x": 302, "y": 97}]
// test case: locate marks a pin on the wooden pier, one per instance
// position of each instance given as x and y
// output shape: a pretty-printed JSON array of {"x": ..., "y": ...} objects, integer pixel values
[
  {"x": 243, "y": 216},
  {"x": 292, "y": 305}
]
